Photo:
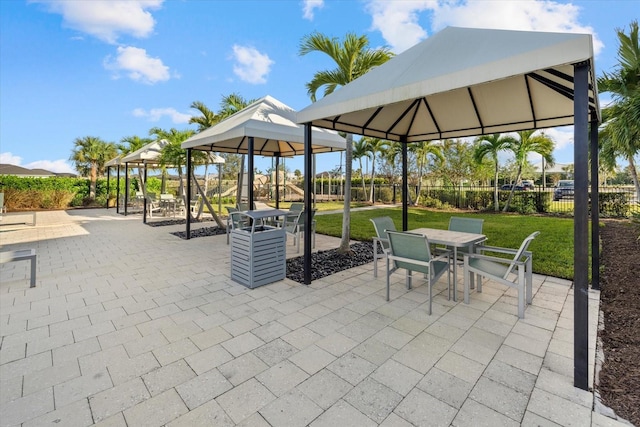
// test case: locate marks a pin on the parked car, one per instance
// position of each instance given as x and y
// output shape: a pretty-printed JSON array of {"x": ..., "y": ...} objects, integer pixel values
[
  {"x": 528, "y": 184},
  {"x": 507, "y": 187},
  {"x": 563, "y": 189}
]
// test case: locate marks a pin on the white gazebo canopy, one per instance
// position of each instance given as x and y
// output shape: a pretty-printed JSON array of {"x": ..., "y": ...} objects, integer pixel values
[
  {"x": 463, "y": 82},
  {"x": 148, "y": 154},
  {"x": 274, "y": 130}
]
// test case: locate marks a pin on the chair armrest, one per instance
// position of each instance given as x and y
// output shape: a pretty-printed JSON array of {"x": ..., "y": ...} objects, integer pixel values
[
  {"x": 494, "y": 258},
  {"x": 443, "y": 255}
]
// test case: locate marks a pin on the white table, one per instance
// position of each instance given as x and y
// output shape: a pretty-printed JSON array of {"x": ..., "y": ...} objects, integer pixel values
[{"x": 455, "y": 239}]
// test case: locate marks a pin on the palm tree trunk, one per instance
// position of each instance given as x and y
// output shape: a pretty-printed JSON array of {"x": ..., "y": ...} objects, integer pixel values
[
  {"x": 634, "y": 176},
  {"x": 513, "y": 188},
  {"x": 364, "y": 189},
  {"x": 94, "y": 180},
  {"x": 496, "y": 201},
  {"x": 373, "y": 175},
  {"x": 346, "y": 216}
]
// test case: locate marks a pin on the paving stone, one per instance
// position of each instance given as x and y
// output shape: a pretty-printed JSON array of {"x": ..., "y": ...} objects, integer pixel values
[
  {"x": 75, "y": 351},
  {"x": 422, "y": 353},
  {"x": 275, "y": 352},
  {"x": 281, "y": 378},
  {"x": 155, "y": 325},
  {"x": 352, "y": 368},
  {"x": 242, "y": 368},
  {"x": 558, "y": 410},
  {"x": 533, "y": 420},
  {"x": 118, "y": 337},
  {"x": 500, "y": 398},
  {"x": 157, "y": 411},
  {"x": 169, "y": 353},
  {"x": 445, "y": 387},
  {"x": 10, "y": 354},
  {"x": 146, "y": 344},
  {"x": 93, "y": 331},
  {"x": 50, "y": 376},
  {"x": 270, "y": 331},
  {"x": 291, "y": 410},
  {"x": 27, "y": 408},
  {"x": 510, "y": 376},
  {"x": 325, "y": 388},
  {"x": 203, "y": 388},
  {"x": 25, "y": 366},
  {"x": 81, "y": 387},
  {"x": 208, "y": 414},
  {"x": 374, "y": 351},
  {"x": 210, "y": 337},
  {"x": 342, "y": 414},
  {"x": 373, "y": 399},
  {"x": 244, "y": 400},
  {"x": 474, "y": 414},
  {"x": 520, "y": 359},
  {"x": 166, "y": 377},
  {"x": 116, "y": 399},
  {"x": 208, "y": 359},
  {"x": 419, "y": 408},
  {"x": 125, "y": 370},
  {"x": 177, "y": 332},
  {"x": 302, "y": 338},
  {"x": 242, "y": 344},
  {"x": 98, "y": 361},
  {"x": 312, "y": 359},
  {"x": 10, "y": 389},
  {"x": 396, "y": 376},
  {"x": 394, "y": 420},
  {"x": 337, "y": 344},
  {"x": 26, "y": 336}
]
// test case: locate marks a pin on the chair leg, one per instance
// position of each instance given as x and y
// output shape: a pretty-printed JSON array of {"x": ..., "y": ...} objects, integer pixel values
[
  {"x": 375, "y": 258},
  {"x": 466, "y": 273},
  {"x": 529, "y": 278},
  {"x": 388, "y": 274},
  {"x": 521, "y": 291},
  {"x": 429, "y": 285}
]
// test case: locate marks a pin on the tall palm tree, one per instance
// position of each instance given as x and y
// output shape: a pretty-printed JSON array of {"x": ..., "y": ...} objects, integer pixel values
[
  {"x": 89, "y": 154},
  {"x": 207, "y": 118},
  {"x": 421, "y": 151},
  {"x": 353, "y": 58},
  {"x": 129, "y": 144},
  {"x": 620, "y": 135},
  {"x": 527, "y": 143},
  {"x": 490, "y": 146},
  {"x": 361, "y": 150}
]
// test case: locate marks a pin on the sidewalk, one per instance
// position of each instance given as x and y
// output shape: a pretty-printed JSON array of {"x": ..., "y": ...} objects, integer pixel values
[{"x": 130, "y": 325}]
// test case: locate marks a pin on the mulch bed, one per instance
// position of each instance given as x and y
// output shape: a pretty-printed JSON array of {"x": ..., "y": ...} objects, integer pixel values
[
  {"x": 326, "y": 263},
  {"x": 176, "y": 221},
  {"x": 619, "y": 380}
]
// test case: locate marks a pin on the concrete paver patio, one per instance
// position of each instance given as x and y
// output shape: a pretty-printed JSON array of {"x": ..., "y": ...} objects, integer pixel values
[{"x": 129, "y": 325}]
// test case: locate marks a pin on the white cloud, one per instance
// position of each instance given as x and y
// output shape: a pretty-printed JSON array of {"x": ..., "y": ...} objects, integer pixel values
[
  {"x": 137, "y": 65},
  {"x": 251, "y": 65},
  {"x": 562, "y": 136},
  {"x": 155, "y": 114},
  {"x": 10, "y": 159},
  {"x": 398, "y": 20},
  {"x": 58, "y": 166},
  {"x": 308, "y": 7},
  {"x": 106, "y": 19}
]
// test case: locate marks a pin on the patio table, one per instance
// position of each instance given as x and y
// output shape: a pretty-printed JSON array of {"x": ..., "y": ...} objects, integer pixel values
[{"x": 455, "y": 239}]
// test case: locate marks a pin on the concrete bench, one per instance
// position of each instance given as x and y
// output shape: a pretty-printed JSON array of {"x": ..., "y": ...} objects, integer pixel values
[
  {"x": 21, "y": 255},
  {"x": 5, "y": 215}
]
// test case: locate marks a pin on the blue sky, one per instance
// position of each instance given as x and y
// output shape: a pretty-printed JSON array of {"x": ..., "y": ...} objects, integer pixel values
[{"x": 113, "y": 69}]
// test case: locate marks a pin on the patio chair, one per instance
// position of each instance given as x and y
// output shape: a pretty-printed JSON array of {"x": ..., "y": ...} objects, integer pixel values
[
  {"x": 234, "y": 220},
  {"x": 381, "y": 225},
  {"x": 499, "y": 269},
  {"x": 295, "y": 225},
  {"x": 465, "y": 225},
  {"x": 244, "y": 206},
  {"x": 411, "y": 252},
  {"x": 152, "y": 204}
]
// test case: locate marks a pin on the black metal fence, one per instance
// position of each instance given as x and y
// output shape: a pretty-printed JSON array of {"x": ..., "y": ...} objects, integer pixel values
[{"x": 615, "y": 202}]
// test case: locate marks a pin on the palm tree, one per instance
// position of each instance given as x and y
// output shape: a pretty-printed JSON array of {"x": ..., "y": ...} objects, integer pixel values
[
  {"x": 528, "y": 143},
  {"x": 422, "y": 150},
  {"x": 361, "y": 150},
  {"x": 207, "y": 119},
  {"x": 620, "y": 135},
  {"x": 128, "y": 145},
  {"x": 89, "y": 155},
  {"x": 490, "y": 146},
  {"x": 353, "y": 58},
  {"x": 374, "y": 146}
]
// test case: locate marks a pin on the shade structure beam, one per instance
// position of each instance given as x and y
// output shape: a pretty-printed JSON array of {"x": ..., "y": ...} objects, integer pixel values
[
  {"x": 580, "y": 227},
  {"x": 433, "y": 118},
  {"x": 475, "y": 109},
  {"x": 530, "y": 98},
  {"x": 401, "y": 116}
]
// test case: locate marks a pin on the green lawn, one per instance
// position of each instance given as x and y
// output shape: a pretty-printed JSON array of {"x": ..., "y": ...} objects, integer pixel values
[{"x": 552, "y": 249}]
